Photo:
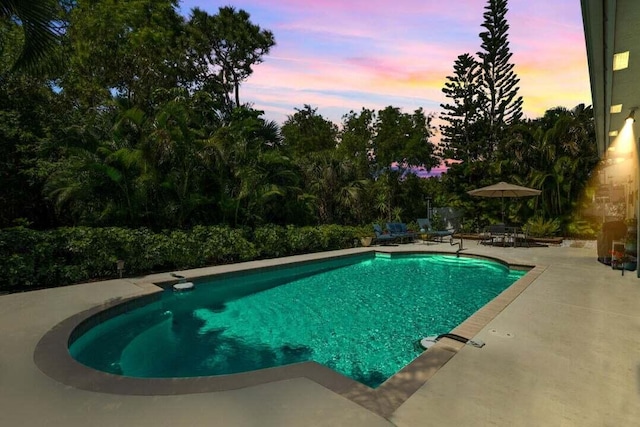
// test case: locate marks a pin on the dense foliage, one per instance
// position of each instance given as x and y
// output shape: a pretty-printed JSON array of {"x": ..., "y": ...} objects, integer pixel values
[
  {"x": 37, "y": 34},
  {"x": 485, "y": 139},
  {"x": 143, "y": 127},
  {"x": 34, "y": 259}
]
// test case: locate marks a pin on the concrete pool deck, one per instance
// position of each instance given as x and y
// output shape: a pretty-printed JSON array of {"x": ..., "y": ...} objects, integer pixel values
[{"x": 565, "y": 352}]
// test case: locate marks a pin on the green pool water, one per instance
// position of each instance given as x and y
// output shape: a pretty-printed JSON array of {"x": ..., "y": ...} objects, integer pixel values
[{"x": 360, "y": 316}]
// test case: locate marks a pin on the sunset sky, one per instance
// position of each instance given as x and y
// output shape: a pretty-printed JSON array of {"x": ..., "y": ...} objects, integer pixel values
[{"x": 345, "y": 55}]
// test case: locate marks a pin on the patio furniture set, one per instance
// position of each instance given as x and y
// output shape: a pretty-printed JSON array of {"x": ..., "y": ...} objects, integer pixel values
[
  {"x": 496, "y": 234},
  {"x": 504, "y": 235},
  {"x": 398, "y": 232}
]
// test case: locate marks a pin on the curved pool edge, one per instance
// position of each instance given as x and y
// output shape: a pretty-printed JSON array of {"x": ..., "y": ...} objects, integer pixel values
[{"x": 52, "y": 357}]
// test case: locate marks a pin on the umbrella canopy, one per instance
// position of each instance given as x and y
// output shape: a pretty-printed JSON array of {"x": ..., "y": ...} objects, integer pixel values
[{"x": 502, "y": 190}]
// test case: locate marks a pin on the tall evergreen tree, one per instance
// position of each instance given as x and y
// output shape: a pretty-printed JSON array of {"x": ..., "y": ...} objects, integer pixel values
[
  {"x": 461, "y": 139},
  {"x": 500, "y": 102}
]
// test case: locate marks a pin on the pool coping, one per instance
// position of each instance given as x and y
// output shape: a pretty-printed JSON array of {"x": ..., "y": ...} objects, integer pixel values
[{"x": 53, "y": 358}]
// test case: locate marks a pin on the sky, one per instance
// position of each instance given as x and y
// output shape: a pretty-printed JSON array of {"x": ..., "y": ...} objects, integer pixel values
[{"x": 339, "y": 56}]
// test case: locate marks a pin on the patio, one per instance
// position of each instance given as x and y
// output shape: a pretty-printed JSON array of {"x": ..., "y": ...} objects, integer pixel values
[{"x": 564, "y": 352}]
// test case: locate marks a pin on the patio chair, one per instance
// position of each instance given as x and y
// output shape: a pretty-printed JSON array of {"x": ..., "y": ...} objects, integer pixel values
[
  {"x": 438, "y": 235},
  {"x": 492, "y": 232},
  {"x": 520, "y": 236}
]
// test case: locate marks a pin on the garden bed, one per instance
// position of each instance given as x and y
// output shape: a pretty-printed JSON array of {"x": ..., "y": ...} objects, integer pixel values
[{"x": 547, "y": 240}]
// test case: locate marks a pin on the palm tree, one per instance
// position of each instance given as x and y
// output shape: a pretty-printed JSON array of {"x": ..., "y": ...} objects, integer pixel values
[
  {"x": 37, "y": 20},
  {"x": 258, "y": 182},
  {"x": 334, "y": 186},
  {"x": 557, "y": 155}
]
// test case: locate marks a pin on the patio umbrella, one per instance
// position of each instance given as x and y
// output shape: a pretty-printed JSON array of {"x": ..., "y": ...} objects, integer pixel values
[{"x": 502, "y": 190}]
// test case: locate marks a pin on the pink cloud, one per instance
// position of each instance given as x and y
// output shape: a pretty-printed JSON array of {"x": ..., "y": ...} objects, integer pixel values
[
  {"x": 364, "y": 8},
  {"x": 332, "y": 79},
  {"x": 342, "y": 55}
]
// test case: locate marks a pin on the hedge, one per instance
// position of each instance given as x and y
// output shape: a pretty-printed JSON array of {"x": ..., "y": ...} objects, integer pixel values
[{"x": 32, "y": 259}]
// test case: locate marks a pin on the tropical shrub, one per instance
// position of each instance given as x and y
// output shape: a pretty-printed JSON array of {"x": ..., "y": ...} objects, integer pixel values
[
  {"x": 338, "y": 237},
  {"x": 35, "y": 259},
  {"x": 541, "y": 227},
  {"x": 26, "y": 257},
  {"x": 270, "y": 241},
  {"x": 304, "y": 239},
  {"x": 582, "y": 229},
  {"x": 209, "y": 245},
  {"x": 437, "y": 222}
]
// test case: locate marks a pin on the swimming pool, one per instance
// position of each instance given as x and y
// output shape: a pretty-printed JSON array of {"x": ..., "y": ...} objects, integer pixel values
[{"x": 360, "y": 316}]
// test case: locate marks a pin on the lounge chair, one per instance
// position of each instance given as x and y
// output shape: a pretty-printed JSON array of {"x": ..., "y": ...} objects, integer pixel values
[
  {"x": 382, "y": 237},
  {"x": 438, "y": 235},
  {"x": 401, "y": 232}
]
